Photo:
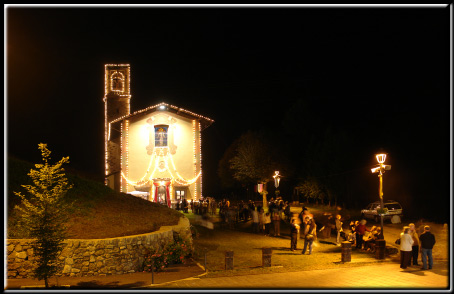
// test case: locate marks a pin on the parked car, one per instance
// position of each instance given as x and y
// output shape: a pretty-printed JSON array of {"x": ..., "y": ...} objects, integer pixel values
[{"x": 394, "y": 208}]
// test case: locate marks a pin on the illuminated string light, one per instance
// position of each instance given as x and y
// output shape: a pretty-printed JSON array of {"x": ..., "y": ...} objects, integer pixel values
[
  {"x": 127, "y": 149},
  {"x": 183, "y": 181},
  {"x": 200, "y": 158},
  {"x": 121, "y": 74},
  {"x": 194, "y": 160},
  {"x": 178, "y": 109},
  {"x": 124, "y": 71},
  {"x": 121, "y": 158},
  {"x": 171, "y": 187},
  {"x": 112, "y": 69},
  {"x": 178, "y": 178}
]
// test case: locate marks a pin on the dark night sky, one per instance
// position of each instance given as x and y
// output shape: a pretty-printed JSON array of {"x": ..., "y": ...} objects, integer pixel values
[{"x": 381, "y": 73}]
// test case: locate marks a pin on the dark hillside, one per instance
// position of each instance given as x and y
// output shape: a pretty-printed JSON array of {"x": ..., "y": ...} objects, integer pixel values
[{"x": 98, "y": 211}]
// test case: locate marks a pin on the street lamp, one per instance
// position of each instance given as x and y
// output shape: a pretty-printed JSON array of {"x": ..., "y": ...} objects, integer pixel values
[
  {"x": 277, "y": 179},
  {"x": 380, "y": 169}
]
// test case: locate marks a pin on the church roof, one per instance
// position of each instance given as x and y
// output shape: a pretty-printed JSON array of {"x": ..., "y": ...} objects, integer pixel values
[{"x": 205, "y": 121}]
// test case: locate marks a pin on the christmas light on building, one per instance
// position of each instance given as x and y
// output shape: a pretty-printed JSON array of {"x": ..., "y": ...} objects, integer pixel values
[{"x": 154, "y": 152}]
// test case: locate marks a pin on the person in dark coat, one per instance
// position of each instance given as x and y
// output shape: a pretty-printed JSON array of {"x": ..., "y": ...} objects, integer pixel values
[
  {"x": 294, "y": 228},
  {"x": 302, "y": 216},
  {"x": 427, "y": 242}
]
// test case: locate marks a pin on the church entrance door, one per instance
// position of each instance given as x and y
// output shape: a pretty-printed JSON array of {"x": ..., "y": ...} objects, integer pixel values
[{"x": 161, "y": 193}]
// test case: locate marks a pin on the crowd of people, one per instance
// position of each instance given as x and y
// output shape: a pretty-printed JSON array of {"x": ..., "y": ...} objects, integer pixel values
[
  {"x": 411, "y": 245},
  {"x": 304, "y": 226},
  {"x": 204, "y": 206}
]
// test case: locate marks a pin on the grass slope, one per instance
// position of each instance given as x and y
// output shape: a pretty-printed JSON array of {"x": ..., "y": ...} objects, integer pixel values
[{"x": 98, "y": 212}]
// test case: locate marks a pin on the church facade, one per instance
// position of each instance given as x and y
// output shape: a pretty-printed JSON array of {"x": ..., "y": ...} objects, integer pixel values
[{"x": 154, "y": 153}]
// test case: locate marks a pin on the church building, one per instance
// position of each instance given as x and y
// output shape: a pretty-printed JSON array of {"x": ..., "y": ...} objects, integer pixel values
[{"x": 154, "y": 153}]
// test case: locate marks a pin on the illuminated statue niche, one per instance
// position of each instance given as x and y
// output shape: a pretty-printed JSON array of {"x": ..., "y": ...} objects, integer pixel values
[{"x": 161, "y": 135}]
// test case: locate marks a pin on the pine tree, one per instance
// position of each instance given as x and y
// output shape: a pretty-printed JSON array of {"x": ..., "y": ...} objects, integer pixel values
[{"x": 44, "y": 213}]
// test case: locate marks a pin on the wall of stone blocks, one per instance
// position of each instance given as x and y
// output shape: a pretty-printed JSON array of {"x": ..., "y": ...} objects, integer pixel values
[{"x": 93, "y": 257}]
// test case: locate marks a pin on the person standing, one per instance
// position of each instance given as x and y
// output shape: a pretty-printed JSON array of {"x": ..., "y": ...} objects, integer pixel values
[
  {"x": 245, "y": 212},
  {"x": 415, "y": 247},
  {"x": 338, "y": 224},
  {"x": 305, "y": 212},
  {"x": 213, "y": 206},
  {"x": 251, "y": 205},
  {"x": 294, "y": 228},
  {"x": 287, "y": 211},
  {"x": 255, "y": 221},
  {"x": 310, "y": 234},
  {"x": 406, "y": 242},
  {"x": 427, "y": 242},
  {"x": 276, "y": 223},
  {"x": 261, "y": 220},
  {"x": 302, "y": 216},
  {"x": 360, "y": 230},
  {"x": 267, "y": 222},
  {"x": 352, "y": 235},
  {"x": 281, "y": 209}
]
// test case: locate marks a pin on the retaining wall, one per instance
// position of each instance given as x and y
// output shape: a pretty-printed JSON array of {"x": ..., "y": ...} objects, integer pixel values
[{"x": 93, "y": 257}]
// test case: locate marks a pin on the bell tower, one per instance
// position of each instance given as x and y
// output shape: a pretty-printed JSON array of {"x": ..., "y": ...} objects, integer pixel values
[
  {"x": 116, "y": 105},
  {"x": 116, "y": 90}
]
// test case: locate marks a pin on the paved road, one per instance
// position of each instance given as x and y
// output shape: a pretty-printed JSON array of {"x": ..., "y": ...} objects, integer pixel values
[{"x": 379, "y": 276}]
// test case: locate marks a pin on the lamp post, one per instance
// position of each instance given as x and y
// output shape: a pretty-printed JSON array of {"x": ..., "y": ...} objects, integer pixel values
[
  {"x": 277, "y": 179},
  {"x": 380, "y": 169}
]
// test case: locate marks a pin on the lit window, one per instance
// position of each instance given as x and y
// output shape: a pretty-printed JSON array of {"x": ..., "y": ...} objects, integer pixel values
[
  {"x": 180, "y": 194},
  {"x": 160, "y": 135}
]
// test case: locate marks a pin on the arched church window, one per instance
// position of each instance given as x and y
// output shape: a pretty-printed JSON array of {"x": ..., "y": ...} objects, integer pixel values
[
  {"x": 160, "y": 135},
  {"x": 117, "y": 82}
]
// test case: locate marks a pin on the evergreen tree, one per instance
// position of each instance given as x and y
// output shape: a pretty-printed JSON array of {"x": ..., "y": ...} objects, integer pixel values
[{"x": 44, "y": 213}]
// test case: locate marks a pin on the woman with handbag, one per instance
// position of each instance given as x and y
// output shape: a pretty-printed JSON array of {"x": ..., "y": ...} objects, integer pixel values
[{"x": 310, "y": 234}]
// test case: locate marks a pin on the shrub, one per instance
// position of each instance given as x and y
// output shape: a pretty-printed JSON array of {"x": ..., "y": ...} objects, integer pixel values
[
  {"x": 173, "y": 253},
  {"x": 155, "y": 261},
  {"x": 178, "y": 251}
]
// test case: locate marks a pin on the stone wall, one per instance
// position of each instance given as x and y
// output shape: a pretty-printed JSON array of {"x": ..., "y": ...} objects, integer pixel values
[{"x": 93, "y": 257}]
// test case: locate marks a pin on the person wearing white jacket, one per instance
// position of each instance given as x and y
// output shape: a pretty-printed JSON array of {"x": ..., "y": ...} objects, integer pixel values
[{"x": 406, "y": 243}]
